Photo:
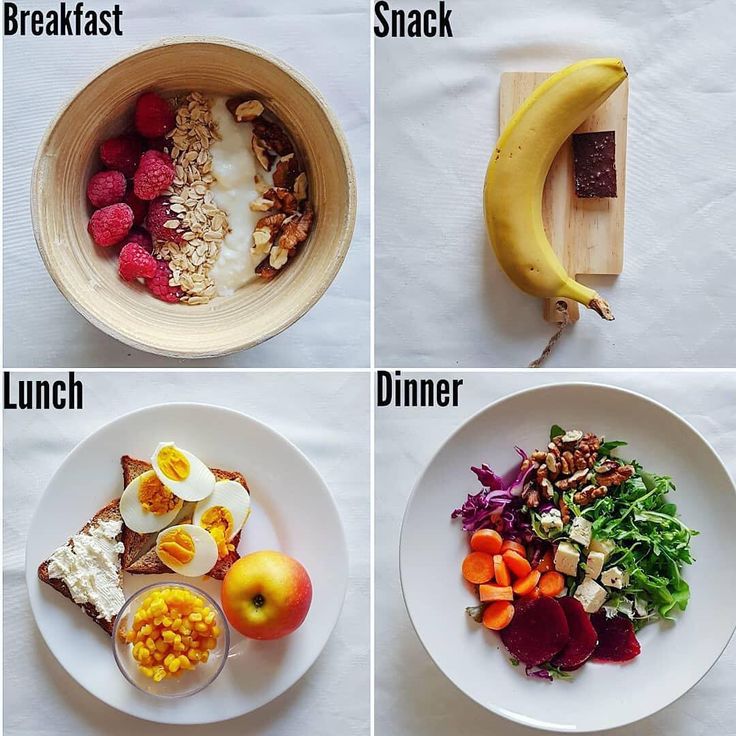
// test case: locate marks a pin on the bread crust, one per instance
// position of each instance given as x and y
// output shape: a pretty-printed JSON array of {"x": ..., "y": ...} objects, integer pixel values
[{"x": 111, "y": 512}]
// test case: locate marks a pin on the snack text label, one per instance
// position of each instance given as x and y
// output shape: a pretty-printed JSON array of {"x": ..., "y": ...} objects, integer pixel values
[{"x": 412, "y": 23}]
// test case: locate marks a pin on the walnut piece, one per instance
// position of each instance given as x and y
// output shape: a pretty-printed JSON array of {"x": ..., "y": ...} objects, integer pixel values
[
  {"x": 589, "y": 494},
  {"x": 283, "y": 200},
  {"x": 296, "y": 230},
  {"x": 273, "y": 136},
  {"x": 263, "y": 156},
  {"x": 300, "y": 187},
  {"x": 267, "y": 229},
  {"x": 262, "y": 204},
  {"x": 285, "y": 173},
  {"x": 248, "y": 111},
  {"x": 615, "y": 477}
]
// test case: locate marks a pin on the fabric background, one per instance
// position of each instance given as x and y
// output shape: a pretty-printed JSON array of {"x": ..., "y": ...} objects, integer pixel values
[
  {"x": 441, "y": 297},
  {"x": 333, "y": 697},
  {"x": 326, "y": 40},
  {"x": 412, "y": 695}
]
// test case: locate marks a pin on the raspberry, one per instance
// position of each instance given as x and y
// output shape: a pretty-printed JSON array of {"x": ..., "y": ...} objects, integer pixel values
[
  {"x": 140, "y": 237},
  {"x": 158, "y": 214},
  {"x": 111, "y": 224},
  {"x": 154, "y": 175},
  {"x": 122, "y": 153},
  {"x": 105, "y": 188},
  {"x": 159, "y": 286},
  {"x": 154, "y": 117},
  {"x": 136, "y": 262},
  {"x": 139, "y": 207}
]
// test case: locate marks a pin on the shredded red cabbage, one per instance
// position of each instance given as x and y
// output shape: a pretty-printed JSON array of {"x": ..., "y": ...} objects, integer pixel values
[{"x": 499, "y": 505}]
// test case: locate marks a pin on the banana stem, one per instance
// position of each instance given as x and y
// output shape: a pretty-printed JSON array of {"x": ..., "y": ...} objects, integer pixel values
[{"x": 600, "y": 305}]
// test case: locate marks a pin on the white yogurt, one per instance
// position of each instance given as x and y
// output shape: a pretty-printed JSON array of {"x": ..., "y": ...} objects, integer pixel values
[{"x": 234, "y": 169}]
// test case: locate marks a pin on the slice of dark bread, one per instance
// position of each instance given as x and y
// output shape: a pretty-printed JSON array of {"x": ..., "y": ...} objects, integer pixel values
[
  {"x": 148, "y": 562},
  {"x": 111, "y": 512},
  {"x": 136, "y": 544}
]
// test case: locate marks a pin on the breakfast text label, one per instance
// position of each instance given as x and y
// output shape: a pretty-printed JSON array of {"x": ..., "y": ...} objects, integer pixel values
[
  {"x": 68, "y": 20},
  {"x": 42, "y": 394},
  {"x": 428, "y": 23},
  {"x": 393, "y": 389}
]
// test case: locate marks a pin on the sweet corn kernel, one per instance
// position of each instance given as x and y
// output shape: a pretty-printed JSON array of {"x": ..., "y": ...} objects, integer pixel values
[{"x": 172, "y": 632}]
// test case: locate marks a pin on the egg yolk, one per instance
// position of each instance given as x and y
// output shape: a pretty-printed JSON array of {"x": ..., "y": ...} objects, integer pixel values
[
  {"x": 173, "y": 463},
  {"x": 176, "y": 548},
  {"x": 218, "y": 521},
  {"x": 154, "y": 496}
]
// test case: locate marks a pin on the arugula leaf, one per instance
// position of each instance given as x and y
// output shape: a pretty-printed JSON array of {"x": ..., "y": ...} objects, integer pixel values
[
  {"x": 608, "y": 447},
  {"x": 652, "y": 543},
  {"x": 556, "y": 431}
]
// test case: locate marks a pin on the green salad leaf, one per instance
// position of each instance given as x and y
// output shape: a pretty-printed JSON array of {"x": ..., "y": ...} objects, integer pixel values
[
  {"x": 608, "y": 447},
  {"x": 652, "y": 544},
  {"x": 556, "y": 431}
]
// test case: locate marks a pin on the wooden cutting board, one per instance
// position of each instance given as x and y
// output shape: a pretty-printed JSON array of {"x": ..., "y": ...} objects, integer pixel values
[{"x": 586, "y": 234}]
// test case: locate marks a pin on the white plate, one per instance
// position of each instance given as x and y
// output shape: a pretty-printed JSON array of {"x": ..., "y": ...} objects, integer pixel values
[
  {"x": 293, "y": 511},
  {"x": 598, "y": 696}
]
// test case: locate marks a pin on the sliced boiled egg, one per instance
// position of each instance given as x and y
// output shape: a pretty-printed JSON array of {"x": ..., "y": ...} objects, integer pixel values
[
  {"x": 147, "y": 505},
  {"x": 223, "y": 513},
  {"x": 185, "y": 474},
  {"x": 187, "y": 549}
]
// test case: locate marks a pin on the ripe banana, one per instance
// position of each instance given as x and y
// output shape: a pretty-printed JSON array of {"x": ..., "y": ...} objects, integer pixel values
[{"x": 518, "y": 169}]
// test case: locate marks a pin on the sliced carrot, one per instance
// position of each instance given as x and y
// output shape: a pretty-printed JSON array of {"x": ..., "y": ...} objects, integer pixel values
[
  {"x": 503, "y": 577},
  {"x": 524, "y": 586},
  {"x": 551, "y": 583},
  {"x": 518, "y": 565},
  {"x": 498, "y": 615},
  {"x": 533, "y": 593},
  {"x": 547, "y": 562},
  {"x": 495, "y": 593},
  {"x": 516, "y": 546},
  {"x": 486, "y": 540},
  {"x": 478, "y": 568}
]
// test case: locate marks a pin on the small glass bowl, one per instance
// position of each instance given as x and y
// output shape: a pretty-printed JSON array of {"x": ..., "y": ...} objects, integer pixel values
[{"x": 191, "y": 681}]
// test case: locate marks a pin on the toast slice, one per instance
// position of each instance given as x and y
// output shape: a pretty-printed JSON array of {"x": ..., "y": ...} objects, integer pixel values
[
  {"x": 136, "y": 544},
  {"x": 111, "y": 512},
  {"x": 142, "y": 558}
]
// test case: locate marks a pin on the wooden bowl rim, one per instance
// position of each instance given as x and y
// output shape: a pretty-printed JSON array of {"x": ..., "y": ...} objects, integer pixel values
[{"x": 343, "y": 244}]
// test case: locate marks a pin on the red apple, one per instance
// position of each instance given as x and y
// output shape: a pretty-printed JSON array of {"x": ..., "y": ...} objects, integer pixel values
[{"x": 266, "y": 595}]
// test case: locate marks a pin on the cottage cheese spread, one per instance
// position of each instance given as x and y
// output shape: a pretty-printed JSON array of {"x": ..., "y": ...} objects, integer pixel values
[{"x": 90, "y": 567}]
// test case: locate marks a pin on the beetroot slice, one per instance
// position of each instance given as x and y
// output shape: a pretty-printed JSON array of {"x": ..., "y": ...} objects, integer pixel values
[
  {"x": 583, "y": 637},
  {"x": 617, "y": 641},
  {"x": 537, "y": 631}
]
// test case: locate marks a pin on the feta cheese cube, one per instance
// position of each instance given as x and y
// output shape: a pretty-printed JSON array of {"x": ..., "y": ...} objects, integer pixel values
[
  {"x": 566, "y": 559},
  {"x": 551, "y": 521},
  {"x": 615, "y": 577},
  {"x": 581, "y": 530},
  {"x": 591, "y": 595},
  {"x": 605, "y": 546},
  {"x": 594, "y": 565}
]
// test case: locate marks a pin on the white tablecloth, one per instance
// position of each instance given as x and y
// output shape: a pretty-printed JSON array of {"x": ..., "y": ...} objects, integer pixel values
[
  {"x": 412, "y": 695},
  {"x": 441, "y": 297},
  {"x": 333, "y": 697},
  {"x": 327, "y": 40}
]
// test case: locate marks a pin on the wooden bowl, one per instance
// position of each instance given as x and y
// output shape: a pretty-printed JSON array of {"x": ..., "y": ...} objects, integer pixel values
[{"x": 87, "y": 275}]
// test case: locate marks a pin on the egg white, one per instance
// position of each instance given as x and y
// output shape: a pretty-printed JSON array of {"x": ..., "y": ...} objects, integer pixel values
[
  {"x": 136, "y": 517},
  {"x": 197, "y": 485},
  {"x": 205, "y": 551},
  {"x": 231, "y": 495}
]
